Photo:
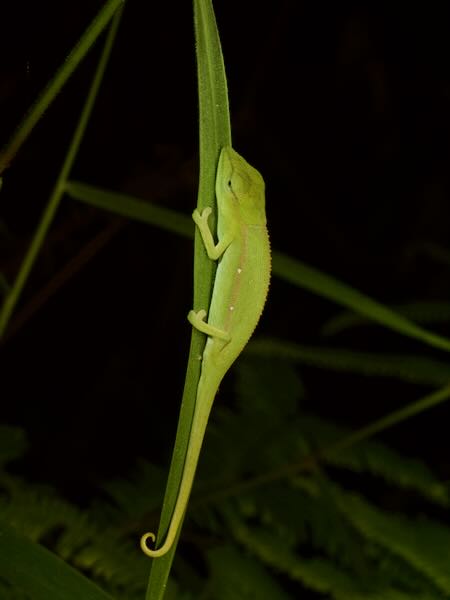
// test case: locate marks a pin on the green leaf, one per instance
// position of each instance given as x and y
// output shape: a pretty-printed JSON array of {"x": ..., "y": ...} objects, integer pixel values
[
  {"x": 131, "y": 207},
  {"x": 374, "y": 458},
  {"x": 315, "y": 281},
  {"x": 98, "y": 24},
  {"x": 141, "y": 492},
  {"x": 49, "y": 93},
  {"x": 422, "y": 543},
  {"x": 411, "y": 368},
  {"x": 321, "y": 574},
  {"x": 42, "y": 575},
  {"x": 284, "y": 267},
  {"x": 214, "y": 121},
  {"x": 419, "y": 312},
  {"x": 236, "y": 576}
]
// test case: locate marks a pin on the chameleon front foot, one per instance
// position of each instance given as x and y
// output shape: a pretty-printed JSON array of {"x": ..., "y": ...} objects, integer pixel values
[
  {"x": 201, "y": 219},
  {"x": 197, "y": 320}
]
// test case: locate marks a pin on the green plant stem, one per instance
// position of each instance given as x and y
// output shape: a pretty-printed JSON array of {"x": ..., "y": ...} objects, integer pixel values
[
  {"x": 393, "y": 418},
  {"x": 49, "y": 93},
  {"x": 86, "y": 253},
  {"x": 214, "y": 129},
  {"x": 13, "y": 295},
  {"x": 33, "y": 570},
  {"x": 324, "y": 285}
]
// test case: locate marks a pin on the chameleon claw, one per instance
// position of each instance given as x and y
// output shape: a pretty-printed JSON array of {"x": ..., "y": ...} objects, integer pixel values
[
  {"x": 201, "y": 219},
  {"x": 197, "y": 320},
  {"x": 195, "y": 317},
  {"x": 206, "y": 212}
]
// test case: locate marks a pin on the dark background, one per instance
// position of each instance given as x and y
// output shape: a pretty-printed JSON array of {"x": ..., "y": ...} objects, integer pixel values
[{"x": 344, "y": 108}]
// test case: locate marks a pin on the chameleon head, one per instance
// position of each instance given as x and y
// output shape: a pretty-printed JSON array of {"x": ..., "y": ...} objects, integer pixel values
[{"x": 240, "y": 186}]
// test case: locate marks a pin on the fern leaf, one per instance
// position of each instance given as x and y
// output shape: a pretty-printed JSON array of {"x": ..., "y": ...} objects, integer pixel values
[
  {"x": 76, "y": 536},
  {"x": 260, "y": 380},
  {"x": 237, "y": 576},
  {"x": 115, "y": 562},
  {"x": 37, "y": 512},
  {"x": 375, "y": 458},
  {"x": 409, "y": 368},
  {"x": 420, "y": 312},
  {"x": 141, "y": 492},
  {"x": 319, "y": 574},
  {"x": 301, "y": 517},
  {"x": 422, "y": 543}
]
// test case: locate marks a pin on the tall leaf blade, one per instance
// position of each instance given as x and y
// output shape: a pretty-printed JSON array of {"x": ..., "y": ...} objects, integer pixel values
[{"x": 41, "y": 574}]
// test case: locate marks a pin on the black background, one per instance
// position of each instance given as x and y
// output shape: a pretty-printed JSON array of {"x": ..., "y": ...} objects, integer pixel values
[{"x": 344, "y": 108}]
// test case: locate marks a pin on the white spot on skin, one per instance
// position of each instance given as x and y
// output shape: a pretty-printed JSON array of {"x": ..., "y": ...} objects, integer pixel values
[
  {"x": 239, "y": 271},
  {"x": 231, "y": 308}
]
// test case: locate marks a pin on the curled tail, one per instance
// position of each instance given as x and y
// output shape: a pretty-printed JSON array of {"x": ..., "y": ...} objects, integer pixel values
[{"x": 206, "y": 392}]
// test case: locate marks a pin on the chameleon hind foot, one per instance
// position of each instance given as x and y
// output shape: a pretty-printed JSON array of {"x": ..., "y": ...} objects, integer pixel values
[{"x": 197, "y": 320}]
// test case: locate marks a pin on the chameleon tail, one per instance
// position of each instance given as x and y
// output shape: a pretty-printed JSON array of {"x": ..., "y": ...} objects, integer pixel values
[{"x": 205, "y": 397}]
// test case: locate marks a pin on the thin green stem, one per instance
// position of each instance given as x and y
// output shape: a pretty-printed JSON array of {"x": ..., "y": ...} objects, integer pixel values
[
  {"x": 58, "y": 190},
  {"x": 49, "y": 93},
  {"x": 214, "y": 125},
  {"x": 393, "y": 418}
]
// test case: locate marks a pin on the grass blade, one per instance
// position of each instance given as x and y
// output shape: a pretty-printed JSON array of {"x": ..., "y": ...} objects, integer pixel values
[
  {"x": 29, "y": 567},
  {"x": 315, "y": 281},
  {"x": 52, "y": 89},
  {"x": 214, "y": 122},
  {"x": 44, "y": 224},
  {"x": 413, "y": 369}
]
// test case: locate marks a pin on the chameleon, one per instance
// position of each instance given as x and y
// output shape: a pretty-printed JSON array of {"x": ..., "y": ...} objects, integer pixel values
[{"x": 239, "y": 293}]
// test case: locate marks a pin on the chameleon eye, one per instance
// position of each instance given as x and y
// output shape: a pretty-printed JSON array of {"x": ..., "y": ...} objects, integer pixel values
[{"x": 239, "y": 184}]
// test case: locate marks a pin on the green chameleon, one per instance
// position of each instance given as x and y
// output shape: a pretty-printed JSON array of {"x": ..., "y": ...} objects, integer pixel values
[{"x": 240, "y": 289}]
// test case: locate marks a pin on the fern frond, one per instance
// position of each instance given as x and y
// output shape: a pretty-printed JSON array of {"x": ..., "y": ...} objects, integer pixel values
[
  {"x": 320, "y": 575},
  {"x": 76, "y": 536},
  {"x": 115, "y": 562},
  {"x": 241, "y": 577},
  {"x": 422, "y": 543},
  {"x": 261, "y": 428},
  {"x": 141, "y": 492},
  {"x": 37, "y": 512},
  {"x": 410, "y": 368},
  {"x": 305, "y": 516},
  {"x": 260, "y": 380},
  {"x": 422, "y": 312},
  {"x": 376, "y": 459}
]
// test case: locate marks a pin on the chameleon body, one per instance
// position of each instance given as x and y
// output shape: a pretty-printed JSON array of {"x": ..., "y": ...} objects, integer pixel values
[{"x": 239, "y": 293}]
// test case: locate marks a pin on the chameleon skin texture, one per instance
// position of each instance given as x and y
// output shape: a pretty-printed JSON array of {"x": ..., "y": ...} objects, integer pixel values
[{"x": 240, "y": 289}]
